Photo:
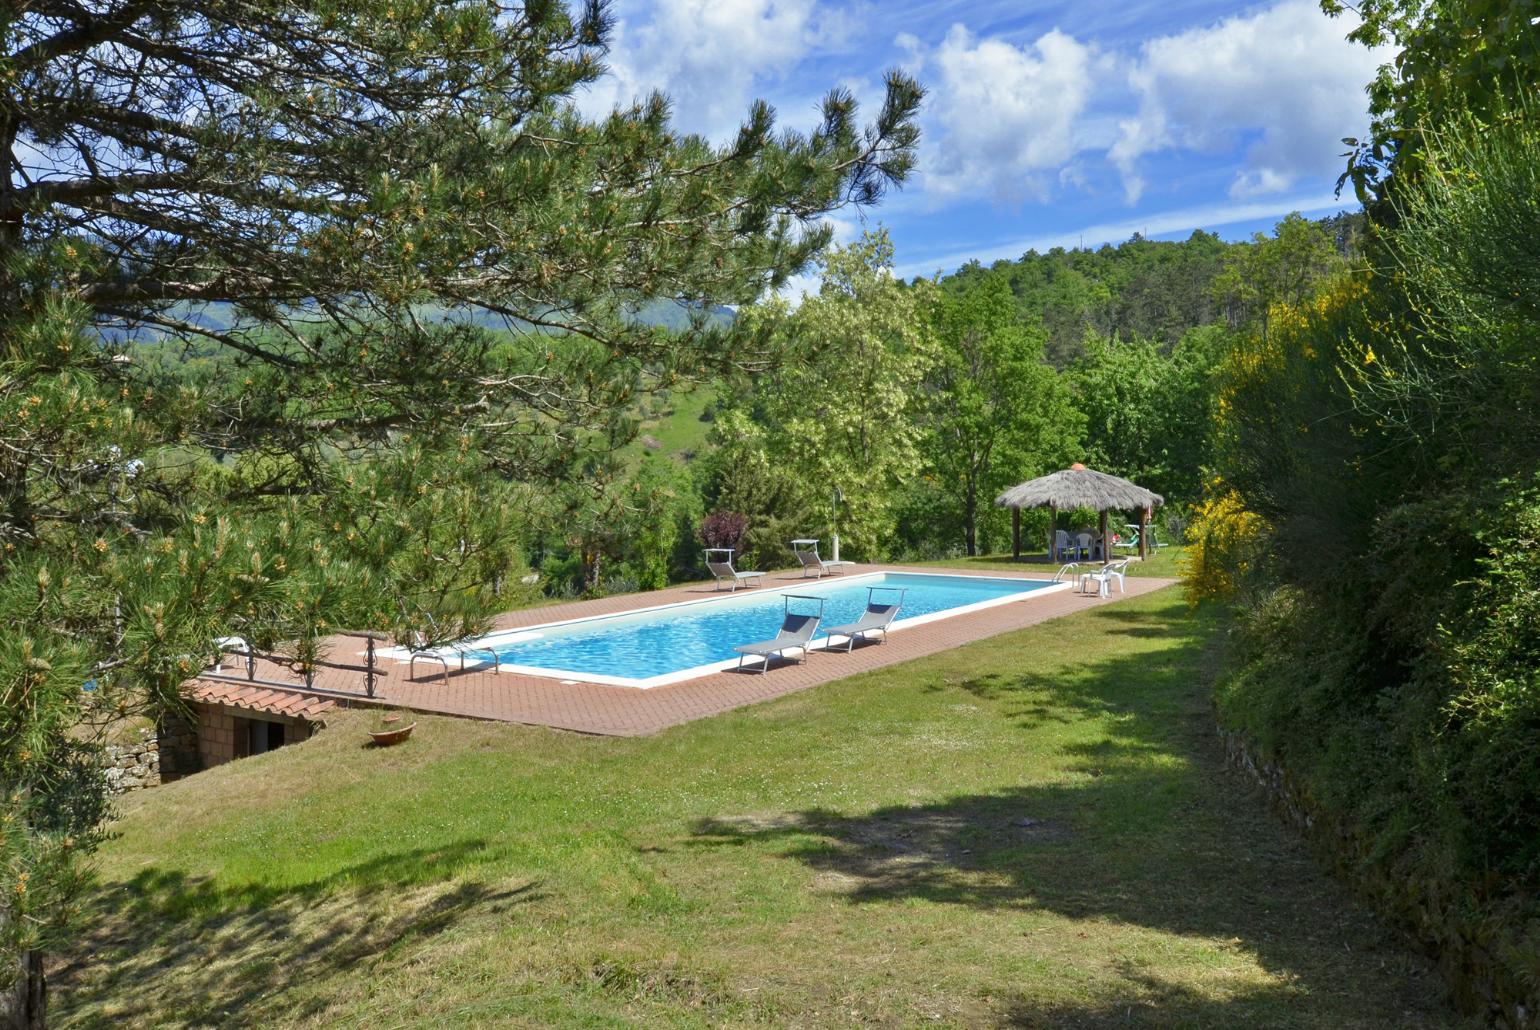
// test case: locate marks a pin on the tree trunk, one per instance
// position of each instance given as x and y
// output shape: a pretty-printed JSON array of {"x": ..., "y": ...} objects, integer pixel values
[
  {"x": 26, "y": 999},
  {"x": 970, "y": 519}
]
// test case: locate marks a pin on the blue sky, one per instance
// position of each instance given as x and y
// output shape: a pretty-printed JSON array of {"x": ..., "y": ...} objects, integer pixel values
[{"x": 1047, "y": 123}]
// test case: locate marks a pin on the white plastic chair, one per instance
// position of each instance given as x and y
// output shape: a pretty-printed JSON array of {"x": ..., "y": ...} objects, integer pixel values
[
  {"x": 239, "y": 646},
  {"x": 1104, "y": 576}
]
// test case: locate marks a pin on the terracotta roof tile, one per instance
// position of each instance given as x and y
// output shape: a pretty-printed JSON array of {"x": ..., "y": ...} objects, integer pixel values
[{"x": 259, "y": 699}]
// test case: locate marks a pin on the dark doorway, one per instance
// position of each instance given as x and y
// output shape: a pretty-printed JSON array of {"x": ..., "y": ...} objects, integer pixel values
[{"x": 262, "y": 736}]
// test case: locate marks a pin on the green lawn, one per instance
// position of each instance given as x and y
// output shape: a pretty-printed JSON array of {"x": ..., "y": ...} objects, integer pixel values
[{"x": 1033, "y": 830}]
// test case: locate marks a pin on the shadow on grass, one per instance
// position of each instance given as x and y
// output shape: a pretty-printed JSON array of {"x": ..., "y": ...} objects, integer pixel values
[
  {"x": 217, "y": 954},
  {"x": 1140, "y": 825},
  {"x": 1152, "y": 1002}
]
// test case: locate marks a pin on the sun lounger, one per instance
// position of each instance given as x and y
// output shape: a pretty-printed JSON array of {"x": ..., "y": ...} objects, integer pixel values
[
  {"x": 796, "y": 633},
  {"x": 719, "y": 560},
  {"x": 807, "y": 553},
  {"x": 235, "y": 645},
  {"x": 876, "y": 619}
]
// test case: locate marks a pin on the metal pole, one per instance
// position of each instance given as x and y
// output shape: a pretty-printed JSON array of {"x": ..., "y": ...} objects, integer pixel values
[
  {"x": 835, "y": 524},
  {"x": 369, "y": 662}
]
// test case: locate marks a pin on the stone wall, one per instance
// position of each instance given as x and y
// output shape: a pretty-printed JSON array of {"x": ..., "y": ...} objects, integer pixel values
[
  {"x": 178, "y": 738},
  {"x": 132, "y": 766},
  {"x": 204, "y": 736},
  {"x": 1479, "y": 980}
]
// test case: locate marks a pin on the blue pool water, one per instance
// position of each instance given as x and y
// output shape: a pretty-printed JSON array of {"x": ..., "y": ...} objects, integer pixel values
[{"x": 643, "y": 645}]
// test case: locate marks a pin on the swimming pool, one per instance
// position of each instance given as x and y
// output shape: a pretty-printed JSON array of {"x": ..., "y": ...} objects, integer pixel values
[{"x": 650, "y": 647}]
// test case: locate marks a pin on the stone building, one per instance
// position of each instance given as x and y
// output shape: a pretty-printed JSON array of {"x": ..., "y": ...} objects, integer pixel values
[{"x": 227, "y": 720}]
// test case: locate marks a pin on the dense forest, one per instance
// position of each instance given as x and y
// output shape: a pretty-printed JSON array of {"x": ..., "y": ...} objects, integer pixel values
[
  {"x": 919, "y": 402},
  {"x": 981, "y": 379}
]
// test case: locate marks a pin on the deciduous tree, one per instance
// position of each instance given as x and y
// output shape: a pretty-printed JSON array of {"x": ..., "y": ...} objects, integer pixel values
[
  {"x": 994, "y": 412},
  {"x": 840, "y": 413}
]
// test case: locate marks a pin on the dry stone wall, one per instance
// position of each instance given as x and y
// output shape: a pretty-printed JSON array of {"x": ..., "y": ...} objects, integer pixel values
[
  {"x": 133, "y": 766},
  {"x": 1482, "y": 982}
]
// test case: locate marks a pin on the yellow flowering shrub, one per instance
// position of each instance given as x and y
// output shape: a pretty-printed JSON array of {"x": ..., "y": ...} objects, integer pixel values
[{"x": 1222, "y": 540}]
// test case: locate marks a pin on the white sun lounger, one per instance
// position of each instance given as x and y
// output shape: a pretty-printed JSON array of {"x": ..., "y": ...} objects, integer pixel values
[{"x": 807, "y": 553}]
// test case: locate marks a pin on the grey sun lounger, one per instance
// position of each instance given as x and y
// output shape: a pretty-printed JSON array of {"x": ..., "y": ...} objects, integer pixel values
[
  {"x": 722, "y": 570},
  {"x": 807, "y": 553},
  {"x": 796, "y": 633},
  {"x": 876, "y": 619}
]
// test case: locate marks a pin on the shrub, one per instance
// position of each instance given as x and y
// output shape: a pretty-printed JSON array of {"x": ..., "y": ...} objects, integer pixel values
[
  {"x": 724, "y": 529},
  {"x": 1224, "y": 541}
]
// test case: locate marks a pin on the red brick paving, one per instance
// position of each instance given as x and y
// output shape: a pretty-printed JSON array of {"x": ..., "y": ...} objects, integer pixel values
[{"x": 634, "y": 711}]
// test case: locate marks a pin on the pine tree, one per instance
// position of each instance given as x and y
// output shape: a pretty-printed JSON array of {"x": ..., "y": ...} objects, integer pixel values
[{"x": 305, "y": 206}]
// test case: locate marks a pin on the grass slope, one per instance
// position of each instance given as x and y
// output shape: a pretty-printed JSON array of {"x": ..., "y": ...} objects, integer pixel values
[
  {"x": 678, "y": 432},
  {"x": 1032, "y": 830}
]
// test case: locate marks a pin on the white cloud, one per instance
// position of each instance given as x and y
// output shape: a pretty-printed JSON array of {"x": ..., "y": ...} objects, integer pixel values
[
  {"x": 1003, "y": 119},
  {"x": 1285, "y": 77},
  {"x": 712, "y": 57}
]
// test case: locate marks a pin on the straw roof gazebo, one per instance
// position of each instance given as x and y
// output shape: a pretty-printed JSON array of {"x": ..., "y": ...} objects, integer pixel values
[{"x": 1080, "y": 487}]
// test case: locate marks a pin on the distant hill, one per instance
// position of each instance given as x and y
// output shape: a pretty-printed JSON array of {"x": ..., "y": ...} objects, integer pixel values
[
  {"x": 1141, "y": 288},
  {"x": 220, "y": 316}
]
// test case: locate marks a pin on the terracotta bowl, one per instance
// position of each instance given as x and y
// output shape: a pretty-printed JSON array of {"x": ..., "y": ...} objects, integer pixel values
[{"x": 386, "y": 738}]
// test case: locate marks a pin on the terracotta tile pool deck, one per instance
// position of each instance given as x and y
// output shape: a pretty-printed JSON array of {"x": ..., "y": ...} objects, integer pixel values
[{"x": 633, "y": 711}]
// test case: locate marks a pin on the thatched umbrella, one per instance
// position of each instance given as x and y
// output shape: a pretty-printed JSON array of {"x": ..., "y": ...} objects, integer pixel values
[{"x": 1079, "y": 487}]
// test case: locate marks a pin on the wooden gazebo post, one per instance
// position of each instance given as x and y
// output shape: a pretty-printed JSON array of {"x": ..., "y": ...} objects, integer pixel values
[
  {"x": 1016, "y": 534},
  {"x": 1106, "y": 552},
  {"x": 1053, "y": 524},
  {"x": 1144, "y": 533}
]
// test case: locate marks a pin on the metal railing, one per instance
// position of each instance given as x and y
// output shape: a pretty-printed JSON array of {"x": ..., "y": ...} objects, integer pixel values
[{"x": 307, "y": 667}]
